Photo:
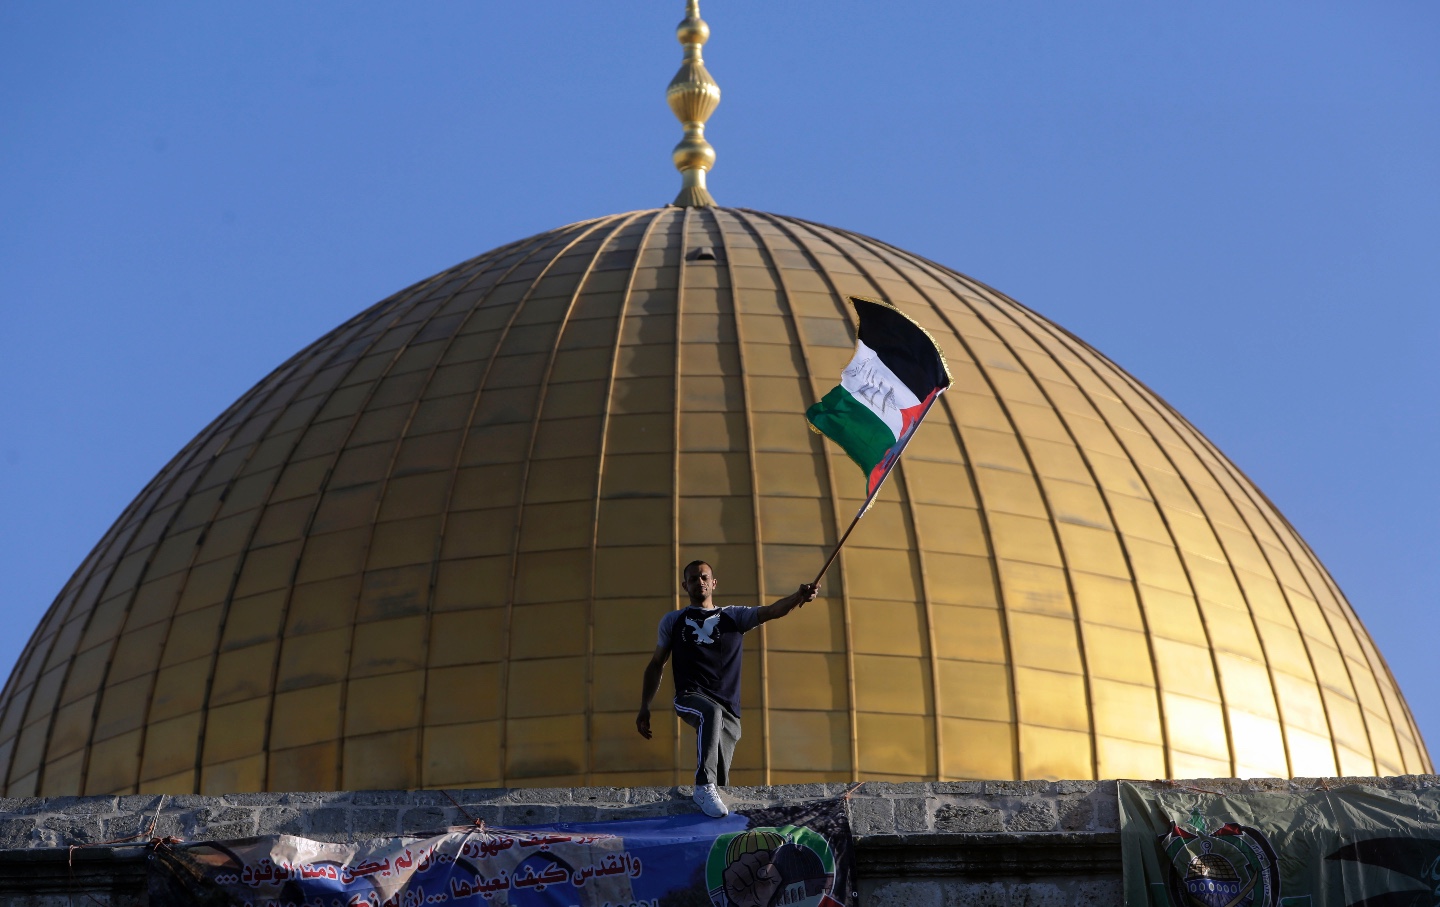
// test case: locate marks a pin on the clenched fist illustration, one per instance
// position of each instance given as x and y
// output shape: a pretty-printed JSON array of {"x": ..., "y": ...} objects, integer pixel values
[{"x": 752, "y": 879}]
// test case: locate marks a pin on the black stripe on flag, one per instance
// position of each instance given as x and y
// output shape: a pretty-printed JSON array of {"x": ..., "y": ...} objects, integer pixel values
[{"x": 904, "y": 346}]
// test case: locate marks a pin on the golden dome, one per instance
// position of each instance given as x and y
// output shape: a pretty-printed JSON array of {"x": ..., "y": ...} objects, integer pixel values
[{"x": 432, "y": 549}]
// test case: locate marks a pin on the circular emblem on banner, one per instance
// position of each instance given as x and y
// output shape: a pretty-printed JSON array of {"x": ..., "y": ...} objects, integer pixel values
[
  {"x": 1230, "y": 866},
  {"x": 769, "y": 867}
]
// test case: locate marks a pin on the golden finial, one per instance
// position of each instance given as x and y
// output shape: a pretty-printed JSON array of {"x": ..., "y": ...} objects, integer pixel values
[{"x": 693, "y": 96}]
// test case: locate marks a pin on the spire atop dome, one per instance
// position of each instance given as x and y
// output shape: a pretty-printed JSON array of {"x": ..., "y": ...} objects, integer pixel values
[{"x": 693, "y": 96}]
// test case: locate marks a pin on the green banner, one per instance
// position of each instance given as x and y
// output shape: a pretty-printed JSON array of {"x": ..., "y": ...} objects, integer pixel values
[{"x": 1350, "y": 846}]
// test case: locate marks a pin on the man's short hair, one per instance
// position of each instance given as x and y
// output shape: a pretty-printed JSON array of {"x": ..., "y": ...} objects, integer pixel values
[{"x": 696, "y": 564}]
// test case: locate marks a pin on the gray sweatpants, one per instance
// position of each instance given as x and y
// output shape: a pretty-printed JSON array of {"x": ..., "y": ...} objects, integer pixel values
[{"x": 716, "y": 731}]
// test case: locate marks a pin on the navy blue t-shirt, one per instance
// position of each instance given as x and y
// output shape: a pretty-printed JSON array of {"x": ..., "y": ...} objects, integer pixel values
[{"x": 705, "y": 650}]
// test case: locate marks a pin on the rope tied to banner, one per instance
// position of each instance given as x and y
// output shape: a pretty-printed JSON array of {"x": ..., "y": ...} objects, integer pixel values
[
  {"x": 474, "y": 822},
  {"x": 148, "y": 833},
  {"x": 1199, "y": 790}
]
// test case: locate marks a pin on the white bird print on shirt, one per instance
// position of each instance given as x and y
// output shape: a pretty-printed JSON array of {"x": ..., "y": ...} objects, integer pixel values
[{"x": 705, "y": 632}]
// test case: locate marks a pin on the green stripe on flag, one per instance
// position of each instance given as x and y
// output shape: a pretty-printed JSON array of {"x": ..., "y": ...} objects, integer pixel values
[{"x": 852, "y": 425}]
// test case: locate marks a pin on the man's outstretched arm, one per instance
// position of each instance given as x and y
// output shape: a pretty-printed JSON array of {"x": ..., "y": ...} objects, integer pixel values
[
  {"x": 784, "y": 606},
  {"x": 653, "y": 672}
]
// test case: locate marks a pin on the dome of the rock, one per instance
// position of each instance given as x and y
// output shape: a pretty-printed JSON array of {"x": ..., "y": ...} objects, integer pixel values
[{"x": 432, "y": 549}]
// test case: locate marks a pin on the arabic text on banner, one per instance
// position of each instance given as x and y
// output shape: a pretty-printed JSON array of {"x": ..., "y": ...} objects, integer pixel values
[{"x": 782, "y": 857}]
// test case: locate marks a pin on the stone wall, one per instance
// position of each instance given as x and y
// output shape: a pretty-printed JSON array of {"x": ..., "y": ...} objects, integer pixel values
[{"x": 937, "y": 844}]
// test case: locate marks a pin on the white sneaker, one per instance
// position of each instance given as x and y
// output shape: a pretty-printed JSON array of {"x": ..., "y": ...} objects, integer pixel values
[{"x": 708, "y": 799}]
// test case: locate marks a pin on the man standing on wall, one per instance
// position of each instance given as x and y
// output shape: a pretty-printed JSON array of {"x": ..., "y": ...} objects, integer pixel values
[{"x": 705, "y": 642}]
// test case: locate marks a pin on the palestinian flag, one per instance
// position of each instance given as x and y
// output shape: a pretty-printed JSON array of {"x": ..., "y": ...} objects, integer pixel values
[{"x": 884, "y": 392}]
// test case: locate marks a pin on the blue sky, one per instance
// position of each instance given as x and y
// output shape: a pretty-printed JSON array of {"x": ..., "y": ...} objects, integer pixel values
[{"x": 1238, "y": 202}]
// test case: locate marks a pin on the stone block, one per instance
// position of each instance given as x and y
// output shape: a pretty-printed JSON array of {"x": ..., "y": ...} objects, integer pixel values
[
  {"x": 754, "y": 794},
  {"x": 512, "y": 815},
  {"x": 261, "y": 799},
  {"x": 56, "y": 804},
  {"x": 901, "y": 893},
  {"x": 579, "y": 812},
  {"x": 974, "y": 788},
  {"x": 181, "y": 801},
  {"x": 1033, "y": 815},
  {"x": 138, "y": 804},
  {"x": 422, "y": 819},
  {"x": 552, "y": 795},
  {"x": 461, "y": 815},
  {"x": 122, "y": 828},
  {"x": 480, "y": 795},
  {"x": 891, "y": 789},
  {"x": 957, "y": 893},
  {"x": 88, "y": 806},
  {"x": 1107, "y": 814},
  {"x": 192, "y": 818},
  {"x": 872, "y": 815},
  {"x": 1035, "y": 893},
  {"x": 1075, "y": 813},
  {"x": 1267, "y": 785},
  {"x": 174, "y": 825},
  {"x": 913, "y": 814},
  {"x": 223, "y": 822},
  {"x": 44, "y": 837},
  {"x": 374, "y": 823},
  {"x": 329, "y": 820},
  {"x": 653, "y": 794},
  {"x": 599, "y": 796},
  {"x": 1017, "y": 788},
  {"x": 382, "y": 798},
  {"x": 285, "y": 820},
  {"x": 1103, "y": 892},
  {"x": 313, "y": 798},
  {"x": 1077, "y": 787},
  {"x": 793, "y": 792},
  {"x": 968, "y": 816},
  {"x": 16, "y": 832},
  {"x": 72, "y": 829}
]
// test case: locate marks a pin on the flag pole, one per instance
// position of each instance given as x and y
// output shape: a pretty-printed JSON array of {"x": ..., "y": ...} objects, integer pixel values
[
  {"x": 836, "y": 553},
  {"x": 871, "y": 499}
]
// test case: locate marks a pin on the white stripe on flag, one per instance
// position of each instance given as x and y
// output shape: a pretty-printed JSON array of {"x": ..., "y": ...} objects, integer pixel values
[{"x": 871, "y": 382}]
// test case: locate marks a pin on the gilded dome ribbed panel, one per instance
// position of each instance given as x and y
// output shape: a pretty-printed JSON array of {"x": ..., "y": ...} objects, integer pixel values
[{"x": 432, "y": 548}]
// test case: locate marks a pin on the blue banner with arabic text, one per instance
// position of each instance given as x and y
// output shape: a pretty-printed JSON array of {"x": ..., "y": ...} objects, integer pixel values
[{"x": 798, "y": 856}]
